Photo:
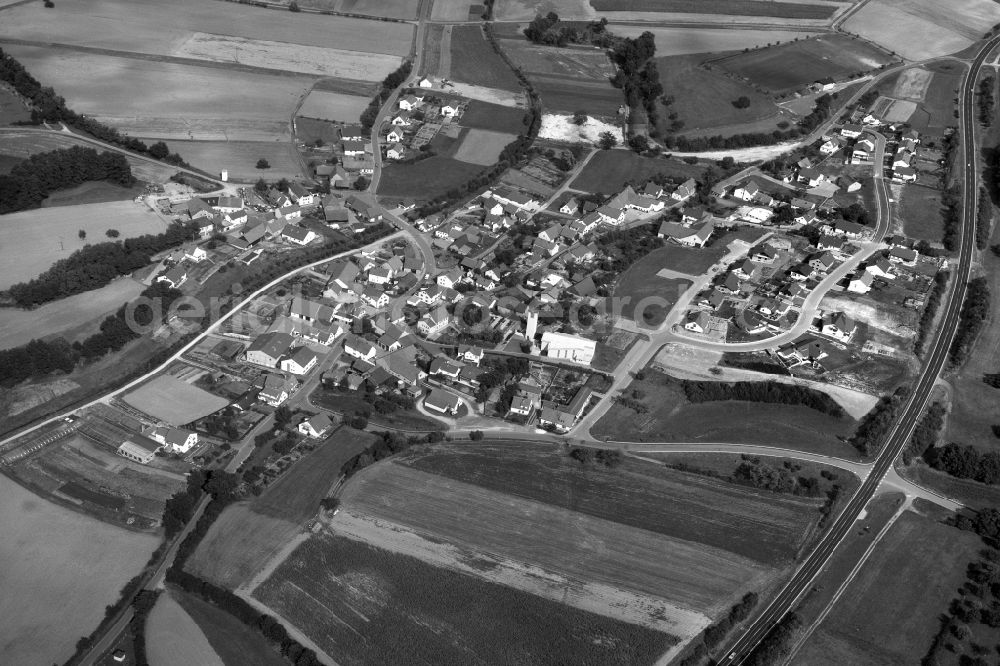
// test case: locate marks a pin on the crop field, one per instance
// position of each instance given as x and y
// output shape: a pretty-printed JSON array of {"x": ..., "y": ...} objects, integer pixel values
[
  {"x": 173, "y": 400},
  {"x": 234, "y": 642},
  {"x": 596, "y": 97},
  {"x": 12, "y": 110},
  {"x": 672, "y": 418},
  {"x": 400, "y": 9},
  {"x": 788, "y": 67},
  {"x": 758, "y": 525},
  {"x": 408, "y": 611},
  {"x": 249, "y": 534},
  {"x": 482, "y": 147},
  {"x": 704, "y": 98},
  {"x": 425, "y": 179},
  {"x": 450, "y": 10},
  {"x": 174, "y": 639},
  {"x": 920, "y": 213},
  {"x": 570, "y": 62},
  {"x": 473, "y": 60},
  {"x": 32, "y": 240},
  {"x": 239, "y": 158},
  {"x": 610, "y": 170},
  {"x": 58, "y": 579},
  {"x": 943, "y": 28},
  {"x": 21, "y": 145},
  {"x": 777, "y": 9},
  {"x": 325, "y": 105},
  {"x": 688, "y": 40},
  {"x": 918, "y": 566},
  {"x": 483, "y": 115}
]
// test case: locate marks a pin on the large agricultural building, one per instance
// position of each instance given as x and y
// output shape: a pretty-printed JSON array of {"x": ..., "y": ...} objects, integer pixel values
[{"x": 569, "y": 347}]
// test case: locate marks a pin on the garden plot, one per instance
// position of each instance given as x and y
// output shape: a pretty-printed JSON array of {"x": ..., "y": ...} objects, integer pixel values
[
  {"x": 174, "y": 401},
  {"x": 325, "y": 105}
]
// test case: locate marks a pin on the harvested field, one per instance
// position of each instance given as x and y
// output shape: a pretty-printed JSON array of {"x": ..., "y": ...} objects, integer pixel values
[
  {"x": 320, "y": 61},
  {"x": 759, "y": 525},
  {"x": 174, "y": 639},
  {"x": 71, "y": 317},
  {"x": 943, "y": 28},
  {"x": 234, "y": 642},
  {"x": 687, "y": 40},
  {"x": 609, "y": 170},
  {"x": 324, "y": 105},
  {"x": 174, "y": 400},
  {"x": 701, "y": 578},
  {"x": 789, "y": 67},
  {"x": 777, "y": 9},
  {"x": 152, "y": 27},
  {"x": 474, "y": 61},
  {"x": 570, "y": 62},
  {"x": 674, "y": 419},
  {"x": 912, "y": 84},
  {"x": 482, "y": 147},
  {"x": 408, "y": 611},
  {"x": 250, "y": 534},
  {"x": 239, "y": 158},
  {"x": 32, "y": 240},
  {"x": 425, "y": 179},
  {"x": 57, "y": 580},
  {"x": 860, "y": 631}
]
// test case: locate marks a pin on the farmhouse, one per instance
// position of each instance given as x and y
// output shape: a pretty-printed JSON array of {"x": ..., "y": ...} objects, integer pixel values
[
  {"x": 747, "y": 192},
  {"x": 442, "y": 402},
  {"x": 301, "y": 361},
  {"x": 695, "y": 236},
  {"x": 268, "y": 349},
  {"x": 359, "y": 348},
  {"x": 353, "y": 148},
  {"x": 316, "y": 426},
  {"x": 174, "y": 277},
  {"x": 905, "y": 174},
  {"x": 851, "y": 131},
  {"x": 142, "y": 451},
  {"x": 569, "y": 347},
  {"x": 298, "y": 235},
  {"x": 881, "y": 268},
  {"x": 685, "y": 190},
  {"x": 175, "y": 440},
  {"x": 310, "y": 311},
  {"x": 556, "y": 419},
  {"x": 300, "y": 195},
  {"x": 811, "y": 177},
  {"x": 700, "y": 323},
  {"x": 274, "y": 389},
  {"x": 903, "y": 256},
  {"x": 433, "y": 322}
]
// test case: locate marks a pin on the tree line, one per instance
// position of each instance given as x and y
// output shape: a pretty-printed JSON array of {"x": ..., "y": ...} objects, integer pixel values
[
  {"x": 713, "y": 635},
  {"x": 94, "y": 266},
  {"x": 47, "y": 106},
  {"x": 548, "y": 30},
  {"x": 870, "y": 434},
  {"x": 975, "y": 310},
  {"x": 965, "y": 462},
  {"x": 926, "y": 433},
  {"x": 987, "y": 102},
  {"x": 392, "y": 81},
  {"x": 637, "y": 74},
  {"x": 930, "y": 311},
  {"x": 30, "y": 181},
  {"x": 984, "y": 219},
  {"x": 767, "y": 392}
]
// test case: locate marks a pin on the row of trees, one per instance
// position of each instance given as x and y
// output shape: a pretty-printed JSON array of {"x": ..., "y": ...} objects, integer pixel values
[
  {"x": 984, "y": 219},
  {"x": 951, "y": 217},
  {"x": 767, "y": 392},
  {"x": 987, "y": 102},
  {"x": 871, "y": 432},
  {"x": 930, "y": 311},
  {"x": 30, "y": 181},
  {"x": 975, "y": 311},
  {"x": 926, "y": 433},
  {"x": 389, "y": 83},
  {"x": 94, "y": 266},
  {"x": 965, "y": 462},
  {"x": 637, "y": 75}
]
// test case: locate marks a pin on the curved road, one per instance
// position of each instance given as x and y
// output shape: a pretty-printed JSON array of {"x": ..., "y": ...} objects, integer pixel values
[{"x": 912, "y": 410}]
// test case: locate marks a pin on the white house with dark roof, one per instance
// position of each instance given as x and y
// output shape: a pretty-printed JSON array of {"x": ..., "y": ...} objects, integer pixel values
[
  {"x": 300, "y": 361},
  {"x": 316, "y": 426},
  {"x": 298, "y": 235},
  {"x": 174, "y": 440},
  {"x": 442, "y": 402}
]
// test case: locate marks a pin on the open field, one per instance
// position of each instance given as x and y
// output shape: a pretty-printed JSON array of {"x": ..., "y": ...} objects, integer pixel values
[
  {"x": 685, "y": 40},
  {"x": 174, "y": 639},
  {"x": 920, "y": 212},
  {"x": 239, "y": 158},
  {"x": 672, "y": 418},
  {"x": 759, "y": 525},
  {"x": 173, "y": 400},
  {"x": 937, "y": 112},
  {"x": 918, "y": 566},
  {"x": 308, "y": 130},
  {"x": 400, "y": 9},
  {"x": 32, "y": 240},
  {"x": 912, "y": 84},
  {"x": 638, "y": 285},
  {"x": 473, "y": 60},
  {"x": 526, "y": 10},
  {"x": 943, "y": 28},
  {"x": 482, "y": 147},
  {"x": 495, "y": 117},
  {"x": 791, "y": 66},
  {"x": 704, "y": 98},
  {"x": 94, "y": 191},
  {"x": 151, "y": 27},
  {"x": 57, "y": 580},
  {"x": 777, "y": 9},
  {"x": 325, "y": 105},
  {"x": 249, "y": 534},
  {"x": 569, "y": 62},
  {"x": 609, "y": 170},
  {"x": 408, "y": 611},
  {"x": 234, "y": 642},
  {"x": 425, "y": 179},
  {"x": 450, "y": 10},
  {"x": 12, "y": 110},
  {"x": 701, "y": 578},
  {"x": 568, "y": 95}
]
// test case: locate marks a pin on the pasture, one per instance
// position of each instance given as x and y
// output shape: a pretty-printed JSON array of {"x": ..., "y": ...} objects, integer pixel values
[
  {"x": 249, "y": 534},
  {"x": 234, "y": 642},
  {"x": 672, "y": 418},
  {"x": 33, "y": 240},
  {"x": 918, "y": 566},
  {"x": 57, "y": 580},
  {"x": 683, "y": 40},
  {"x": 943, "y": 27},
  {"x": 482, "y": 147},
  {"x": 788, "y": 67},
  {"x": 173, "y": 400},
  {"x": 174, "y": 639},
  {"x": 239, "y": 158},
  {"x": 610, "y": 170},
  {"x": 474, "y": 61},
  {"x": 776, "y": 9},
  {"x": 408, "y": 611},
  {"x": 325, "y": 105}
]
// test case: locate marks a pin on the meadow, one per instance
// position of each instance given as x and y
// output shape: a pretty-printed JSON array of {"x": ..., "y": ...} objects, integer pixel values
[
  {"x": 173, "y": 400},
  {"x": 425, "y": 179},
  {"x": 936, "y": 113},
  {"x": 788, "y": 67},
  {"x": 943, "y": 28},
  {"x": 610, "y": 170},
  {"x": 686, "y": 40},
  {"x": 32, "y": 240},
  {"x": 57, "y": 580},
  {"x": 495, "y": 117},
  {"x": 399, "y": 9},
  {"x": 474, "y": 61},
  {"x": 408, "y": 611},
  {"x": 920, "y": 213},
  {"x": 482, "y": 147}
]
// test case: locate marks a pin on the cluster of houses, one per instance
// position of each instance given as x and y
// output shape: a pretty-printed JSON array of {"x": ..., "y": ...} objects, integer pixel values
[
  {"x": 419, "y": 118},
  {"x": 859, "y": 142},
  {"x": 162, "y": 438},
  {"x": 884, "y": 267}
]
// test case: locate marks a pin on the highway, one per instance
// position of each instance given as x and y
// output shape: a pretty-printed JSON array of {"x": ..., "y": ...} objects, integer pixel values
[{"x": 914, "y": 407}]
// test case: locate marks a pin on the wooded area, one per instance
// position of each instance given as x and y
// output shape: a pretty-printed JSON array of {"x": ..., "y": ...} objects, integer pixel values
[
  {"x": 769, "y": 392},
  {"x": 30, "y": 181}
]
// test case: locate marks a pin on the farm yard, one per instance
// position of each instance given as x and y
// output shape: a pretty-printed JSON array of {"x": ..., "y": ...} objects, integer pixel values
[
  {"x": 789, "y": 67},
  {"x": 609, "y": 170},
  {"x": 326, "y": 105},
  {"x": 474, "y": 61},
  {"x": 58, "y": 580},
  {"x": 860, "y": 631},
  {"x": 943, "y": 27},
  {"x": 239, "y": 158},
  {"x": 33, "y": 240},
  {"x": 683, "y": 41},
  {"x": 173, "y": 400}
]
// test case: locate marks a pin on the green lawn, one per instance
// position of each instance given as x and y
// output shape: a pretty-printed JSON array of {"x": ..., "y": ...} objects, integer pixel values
[{"x": 610, "y": 170}]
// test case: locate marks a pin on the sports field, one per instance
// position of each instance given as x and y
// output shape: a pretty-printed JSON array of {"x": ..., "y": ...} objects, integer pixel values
[
  {"x": 609, "y": 170},
  {"x": 474, "y": 61},
  {"x": 943, "y": 28},
  {"x": 791, "y": 66},
  {"x": 57, "y": 580},
  {"x": 32, "y": 240},
  {"x": 239, "y": 158},
  {"x": 482, "y": 147},
  {"x": 682, "y": 41},
  {"x": 174, "y": 639},
  {"x": 326, "y": 105},
  {"x": 174, "y": 400}
]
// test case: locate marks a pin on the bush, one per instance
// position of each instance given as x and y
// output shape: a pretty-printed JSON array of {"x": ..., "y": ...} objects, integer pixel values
[{"x": 263, "y": 164}]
